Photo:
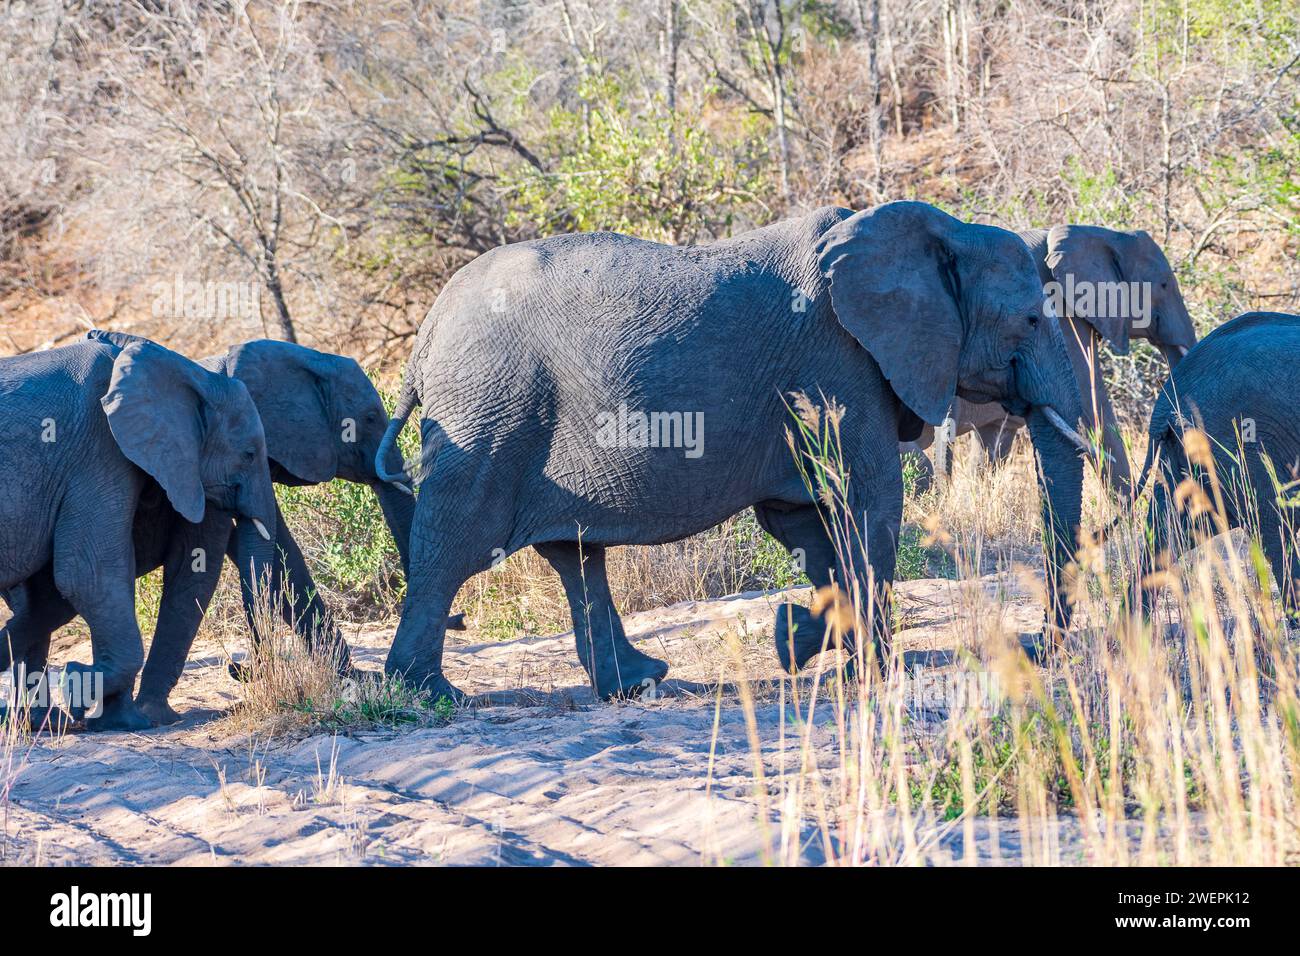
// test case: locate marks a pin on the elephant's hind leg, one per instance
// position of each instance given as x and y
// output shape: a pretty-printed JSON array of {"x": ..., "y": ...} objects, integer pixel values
[
  {"x": 454, "y": 536},
  {"x": 102, "y": 589},
  {"x": 39, "y": 610},
  {"x": 996, "y": 440},
  {"x": 615, "y": 667}
]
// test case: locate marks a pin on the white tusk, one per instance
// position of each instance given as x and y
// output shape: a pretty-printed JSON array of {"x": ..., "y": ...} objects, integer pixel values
[
  {"x": 261, "y": 529},
  {"x": 1059, "y": 424},
  {"x": 401, "y": 487},
  {"x": 1182, "y": 350}
]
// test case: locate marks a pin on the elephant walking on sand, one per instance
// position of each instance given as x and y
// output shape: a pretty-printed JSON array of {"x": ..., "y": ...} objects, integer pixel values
[
  {"x": 1238, "y": 381},
  {"x": 87, "y": 433},
  {"x": 323, "y": 419},
  {"x": 1111, "y": 285},
  {"x": 532, "y": 351}
]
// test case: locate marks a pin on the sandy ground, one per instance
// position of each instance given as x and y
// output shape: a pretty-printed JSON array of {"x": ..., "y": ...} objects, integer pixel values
[{"x": 538, "y": 774}]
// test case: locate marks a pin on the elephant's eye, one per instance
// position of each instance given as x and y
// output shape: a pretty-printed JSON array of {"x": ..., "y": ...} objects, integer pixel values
[
  {"x": 250, "y": 455},
  {"x": 1033, "y": 320}
]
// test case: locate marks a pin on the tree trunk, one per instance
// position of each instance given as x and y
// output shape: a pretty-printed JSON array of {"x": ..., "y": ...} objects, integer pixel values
[
  {"x": 669, "y": 41},
  {"x": 283, "y": 321},
  {"x": 873, "y": 71}
]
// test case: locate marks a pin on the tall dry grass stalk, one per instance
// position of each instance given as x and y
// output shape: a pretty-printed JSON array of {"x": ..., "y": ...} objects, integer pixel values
[{"x": 1169, "y": 741}]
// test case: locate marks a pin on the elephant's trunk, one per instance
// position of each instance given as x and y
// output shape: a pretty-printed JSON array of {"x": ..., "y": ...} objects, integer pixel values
[
  {"x": 1044, "y": 383},
  {"x": 399, "y": 512},
  {"x": 256, "y": 527},
  {"x": 257, "y": 558},
  {"x": 1060, "y": 480}
]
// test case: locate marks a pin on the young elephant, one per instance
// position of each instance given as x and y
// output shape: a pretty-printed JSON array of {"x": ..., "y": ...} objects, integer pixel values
[
  {"x": 1072, "y": 259},
  {"x": 323, "y": 419},
  {"x": 541, "y": 365},
  {"x": 1239, "y": 380},
  {"x": 85, "y": 432}
]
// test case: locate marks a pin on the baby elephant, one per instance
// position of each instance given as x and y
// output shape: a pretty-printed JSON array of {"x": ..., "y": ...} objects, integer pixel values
[
  {"x": 1238, "y": 381},
  {"x": 323, "y": 419},
  {"x": 86, "y": 432}
]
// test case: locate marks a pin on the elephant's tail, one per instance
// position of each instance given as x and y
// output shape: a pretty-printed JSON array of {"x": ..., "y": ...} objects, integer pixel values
[{"x": 405, "y": 475}]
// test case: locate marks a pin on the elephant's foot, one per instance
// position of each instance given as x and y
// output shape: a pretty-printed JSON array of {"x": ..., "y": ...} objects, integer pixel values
[
  {"x": 430, "y": 681},
  {"x": 439, "y": 689},
  {"x": 799, "y": 635},
  {"x": 240, "y": 671},
  {"x": 627, "y": 673},
  {"x": 119, "y": 713},
  {"x": 157, "y": 710},
  {"x": 83, "y": 685}
]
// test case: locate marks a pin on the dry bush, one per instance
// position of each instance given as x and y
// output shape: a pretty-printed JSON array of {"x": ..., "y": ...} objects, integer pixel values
[{"x": 291, "y": 687}]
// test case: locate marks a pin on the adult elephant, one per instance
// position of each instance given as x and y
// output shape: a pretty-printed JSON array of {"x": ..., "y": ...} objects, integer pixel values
[
  {"x": 1140, "y": 300},
  {"x": 86, "y": 431},
  {"x": 1238, "y": 381},
  {"x": 323, "y": 419},
  {"x": 541, "y": 363}
]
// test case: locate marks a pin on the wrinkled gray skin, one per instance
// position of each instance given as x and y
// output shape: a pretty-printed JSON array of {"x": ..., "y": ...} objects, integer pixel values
[
  {"x": 890, "y": 312},
  {"x": 323, "y": 419},
  {"x": 134, "y": 424},
  {"x": 1244, "y": 369},
  {"x": 1091, "y": 254}
]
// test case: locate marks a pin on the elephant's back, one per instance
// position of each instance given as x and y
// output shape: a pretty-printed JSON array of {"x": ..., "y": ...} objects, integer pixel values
[
  {"x": 54, "y": 382},
  {"x": 539, "y": 330},
  {"x": 1239, "y": 376}
]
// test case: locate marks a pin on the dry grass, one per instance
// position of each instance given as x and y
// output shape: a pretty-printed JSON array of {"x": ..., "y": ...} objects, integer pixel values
[
  {"x": 1174, "y": 741},
  {"x": 18, "y": 739},
  {"x": 291, "y": 688}
]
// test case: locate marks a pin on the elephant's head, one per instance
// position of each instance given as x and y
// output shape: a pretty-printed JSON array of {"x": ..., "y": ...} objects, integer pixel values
[
  {"x": 951, "y": 308},
  {"x": 199, "y": 436},
  {"x": 1122, "y": 285},
  {"x": 323, "y": 419}
]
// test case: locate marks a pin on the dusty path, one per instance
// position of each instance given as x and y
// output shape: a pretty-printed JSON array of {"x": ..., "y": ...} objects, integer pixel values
[{"x": 546, "y": 777}]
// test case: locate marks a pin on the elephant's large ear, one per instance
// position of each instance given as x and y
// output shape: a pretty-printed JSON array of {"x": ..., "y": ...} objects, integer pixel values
[
  {"x": 1089, "y": 256},
  {"x": 290, "y": 386},
  {"x": 894, "y": 288},
  {"x": 157, "y": 409}
]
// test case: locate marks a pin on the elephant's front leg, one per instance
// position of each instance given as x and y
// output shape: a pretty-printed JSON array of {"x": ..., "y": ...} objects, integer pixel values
[
  {"x": 615, "y": 667},
  {"x": 191, "y": 571},
  {"x": 875, "y": 554},
  {"x": 858, "y": 554}
]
